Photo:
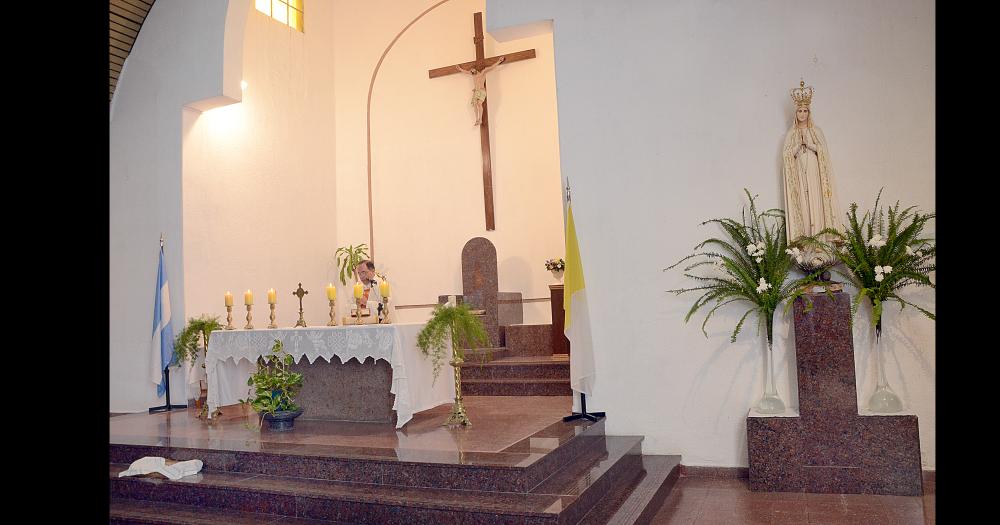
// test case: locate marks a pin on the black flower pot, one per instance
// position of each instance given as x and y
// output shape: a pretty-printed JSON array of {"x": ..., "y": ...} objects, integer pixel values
[{"x": 282, "y": 420}]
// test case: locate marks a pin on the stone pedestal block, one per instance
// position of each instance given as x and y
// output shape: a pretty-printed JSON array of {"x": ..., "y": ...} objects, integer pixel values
[{"x": 828, "y": 446}]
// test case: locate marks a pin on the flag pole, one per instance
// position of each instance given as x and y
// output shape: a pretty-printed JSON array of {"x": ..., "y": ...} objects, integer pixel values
[
  {"x": 582, "y": 414},
  {"x": 166, "y": 376}
]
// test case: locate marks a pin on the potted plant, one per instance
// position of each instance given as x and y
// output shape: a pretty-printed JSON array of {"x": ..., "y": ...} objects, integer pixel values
[
  {"x": 459, "y": 327},
  {"x": 273, "y": 389},
  {"x": 556, "y": 266},
  {"x": 348, "y": 257},
  {"x": 187, "y": 347},
  {"x": 751, "y": 266},
  {"x": 882, "y": 259}
]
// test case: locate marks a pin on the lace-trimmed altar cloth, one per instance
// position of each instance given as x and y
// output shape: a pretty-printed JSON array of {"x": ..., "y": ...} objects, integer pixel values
[{"x": 232, "y": 354}]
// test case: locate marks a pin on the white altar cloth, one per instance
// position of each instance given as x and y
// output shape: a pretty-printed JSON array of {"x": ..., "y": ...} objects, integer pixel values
[{"x": 232, "y": 355}]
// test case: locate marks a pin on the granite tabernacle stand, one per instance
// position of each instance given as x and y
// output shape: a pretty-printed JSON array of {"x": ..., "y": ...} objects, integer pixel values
[
  {"x": 480, "y": 290},
  {"x": 828, "y": 447}
]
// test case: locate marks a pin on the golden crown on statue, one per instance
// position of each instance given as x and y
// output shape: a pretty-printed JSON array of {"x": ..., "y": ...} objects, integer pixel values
[{"x": 802, "y": 95}]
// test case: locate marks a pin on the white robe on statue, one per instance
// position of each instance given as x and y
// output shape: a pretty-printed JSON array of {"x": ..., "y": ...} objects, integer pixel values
[{"x": 810, "y": 205}]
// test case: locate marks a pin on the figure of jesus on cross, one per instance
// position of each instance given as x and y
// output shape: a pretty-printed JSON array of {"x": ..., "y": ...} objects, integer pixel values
[
  {"x": 479, "y": 87},
  {"x": 478, "y": 69}
]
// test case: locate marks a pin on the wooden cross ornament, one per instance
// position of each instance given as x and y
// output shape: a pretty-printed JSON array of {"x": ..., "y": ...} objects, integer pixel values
[{"x": 480, "y": 64}]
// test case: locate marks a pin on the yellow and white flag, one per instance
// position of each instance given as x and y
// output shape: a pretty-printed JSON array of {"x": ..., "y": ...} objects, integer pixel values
[{"x": 577, "y": 327}]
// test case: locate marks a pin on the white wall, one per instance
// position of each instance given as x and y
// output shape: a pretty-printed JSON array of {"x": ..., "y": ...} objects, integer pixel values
[
  {"x": 666, "y": 111},
  {"x": 259, "y": 178},
  {"x": 426, "y": 156},
  {"x": 178, "y": 60}
]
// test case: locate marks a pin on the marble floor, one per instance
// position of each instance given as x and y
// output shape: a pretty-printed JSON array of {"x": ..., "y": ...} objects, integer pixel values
[
  {"x": 497, "y": 423},
  {"x": 708, "y": 501}
]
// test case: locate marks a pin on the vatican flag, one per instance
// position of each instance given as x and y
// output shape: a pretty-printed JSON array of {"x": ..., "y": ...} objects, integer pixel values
[{"x": 577, "y": 327}]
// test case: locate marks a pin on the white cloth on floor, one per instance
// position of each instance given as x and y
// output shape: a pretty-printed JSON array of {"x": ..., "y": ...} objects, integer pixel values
[{"x": 150, "y": 464}]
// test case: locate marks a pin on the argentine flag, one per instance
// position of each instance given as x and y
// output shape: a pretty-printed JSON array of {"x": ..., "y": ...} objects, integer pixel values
[
  {"x": 577, "y": 327},
  {"x": 162, "y": 346}
]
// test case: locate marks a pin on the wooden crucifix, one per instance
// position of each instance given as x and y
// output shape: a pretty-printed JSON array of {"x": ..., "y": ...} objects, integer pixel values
[{"x": 477, "y": 68}]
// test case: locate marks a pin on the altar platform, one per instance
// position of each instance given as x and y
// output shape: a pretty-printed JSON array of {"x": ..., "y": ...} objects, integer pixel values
[{"x": 517, "y": 463}]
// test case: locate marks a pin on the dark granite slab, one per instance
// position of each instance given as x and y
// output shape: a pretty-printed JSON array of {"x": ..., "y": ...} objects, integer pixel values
[
  {"x": 564, "y": 497},
  {"x": 829, "y": 447},
  {"x": 350, "y": 391},
  {"x": 529, "y": 339}
]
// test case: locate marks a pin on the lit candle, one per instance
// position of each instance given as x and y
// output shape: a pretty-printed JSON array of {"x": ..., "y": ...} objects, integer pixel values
[
  {"x": 331, "y": 292},
  {"x": 383, "y": 288},
  {"x": 359, "y": 290},
  {"x": 248, "y": 298},
  {"x": 272, "y": 297},
  {"x": 229, "y": 298}
]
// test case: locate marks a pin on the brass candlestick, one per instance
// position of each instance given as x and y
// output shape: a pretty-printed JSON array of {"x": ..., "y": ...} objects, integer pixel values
[
  {"x": 229, "y": 318},
  {"x": 358, "y": 310},
  {"x": 273, "y": 324},
  {"x": 458, "y": 415},
  {"x": 333, "y": 314},
  {"x": 249, "y": 325},
  {"x": 385, "y": 303},
  {"x": 300, "y": 293}
]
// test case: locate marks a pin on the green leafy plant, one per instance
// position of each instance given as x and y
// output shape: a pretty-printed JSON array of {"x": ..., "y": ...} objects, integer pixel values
[
  {"x": 348, "y": 257},
  {"x": 456, "y": 324},
  {"x": 751, "y": 265},
  {"x": 882, "y": 259},
  {"x": 462, "y": 328},
  {"x": 186, "y": 344},
  {"x": 273, "y": 385}
]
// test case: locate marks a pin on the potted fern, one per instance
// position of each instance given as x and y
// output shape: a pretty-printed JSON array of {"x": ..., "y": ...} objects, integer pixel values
[
  {"x": 750, "y": 264},
  {"x": 881, "y": 260},
  {"x": 348, "y": 257},
  {"x": 459, "y": 327},
  {"x": 187, "y": 346},
  {"x": 273, "y": 389}
]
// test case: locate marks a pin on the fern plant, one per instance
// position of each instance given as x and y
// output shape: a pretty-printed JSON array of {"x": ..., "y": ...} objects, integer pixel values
[
  {"x": 456, "y": 324},
  {"x": 882, "y": 259},
  {"x": 750, "y": 264},
  {"x": 186, "y": 345},
  {"x": 348, "y": 257},
  {"x": 462, "y": 328}
]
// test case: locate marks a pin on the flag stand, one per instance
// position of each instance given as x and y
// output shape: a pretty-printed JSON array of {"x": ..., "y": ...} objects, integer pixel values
[
  {"x": 582, "y": 414},
  {"x": 167, "y": 407}
]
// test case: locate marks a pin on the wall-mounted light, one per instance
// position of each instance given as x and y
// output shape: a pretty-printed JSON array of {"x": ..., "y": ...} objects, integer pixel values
[{"x": 243, "y": 85}]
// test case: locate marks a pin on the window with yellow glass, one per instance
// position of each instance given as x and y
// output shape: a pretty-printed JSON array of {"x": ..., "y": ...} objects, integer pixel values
[{"x": 288, "y": 12}]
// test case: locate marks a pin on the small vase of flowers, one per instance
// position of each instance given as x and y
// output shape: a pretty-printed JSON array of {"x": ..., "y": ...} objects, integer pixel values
[{"x": 556, "y": 266}]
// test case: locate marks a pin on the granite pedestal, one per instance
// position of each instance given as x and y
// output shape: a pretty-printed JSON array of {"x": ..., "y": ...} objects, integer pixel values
[
  {"x": 480, "y": 286},
  {"x": 828, "y": 447}
]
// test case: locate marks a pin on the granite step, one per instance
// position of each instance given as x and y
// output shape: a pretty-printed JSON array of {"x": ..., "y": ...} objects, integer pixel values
[
  {"x": 141, "y": 512},
  {"x": 516, "y": 468},
  {"x": 517, "y": 368},
  {"x": 639, "y": 501},
  {"x": 516, "y": 387},
  {"x": 485, "y": 355},
  {"x": 564, "y": 497}
]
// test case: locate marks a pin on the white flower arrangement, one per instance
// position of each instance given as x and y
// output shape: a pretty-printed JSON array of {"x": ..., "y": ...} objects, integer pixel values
[
  {"x": 555, "y": 265},
  {"x": 796, "y": 254},
  {"x": 763, "y": 286},
  {"x": 876, "y": 241}
]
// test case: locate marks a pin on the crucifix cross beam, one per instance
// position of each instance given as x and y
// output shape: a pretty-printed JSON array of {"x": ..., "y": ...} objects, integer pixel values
[{"x": 477, "y": 68}]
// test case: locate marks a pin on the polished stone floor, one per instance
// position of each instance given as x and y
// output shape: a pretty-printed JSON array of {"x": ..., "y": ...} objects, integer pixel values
[
  {"x": 498, "y": 422},
  {"x": 709, "y": 501}
]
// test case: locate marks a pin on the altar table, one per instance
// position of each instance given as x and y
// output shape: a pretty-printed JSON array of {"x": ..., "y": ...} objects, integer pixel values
[{"x": 232, "y": 357}]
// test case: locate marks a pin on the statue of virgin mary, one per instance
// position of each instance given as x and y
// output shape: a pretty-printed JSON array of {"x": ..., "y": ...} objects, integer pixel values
[{"x": 810, "y": 205}]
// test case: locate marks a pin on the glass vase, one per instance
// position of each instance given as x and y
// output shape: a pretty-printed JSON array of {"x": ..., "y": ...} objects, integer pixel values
[
  {"x": 770, "y": 403},
  {"x": 884, "y": 400}
]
